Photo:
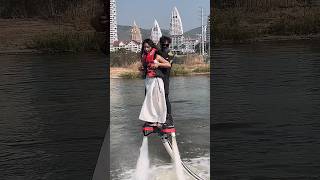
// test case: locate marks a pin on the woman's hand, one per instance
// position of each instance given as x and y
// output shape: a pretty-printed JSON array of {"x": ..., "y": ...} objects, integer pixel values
[
  {"x": 154, "y": 65},
  {"x": 140, "y": 68}
]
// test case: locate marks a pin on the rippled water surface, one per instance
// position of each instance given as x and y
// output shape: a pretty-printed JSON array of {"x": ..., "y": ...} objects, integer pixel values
[
  {"x": 190, "y": 107},
  {"x": 265, "y": 111},
  {"x": 52, "y": 115}
]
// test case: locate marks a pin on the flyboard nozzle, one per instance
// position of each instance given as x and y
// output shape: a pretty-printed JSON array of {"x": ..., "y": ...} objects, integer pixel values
[
  {"x": 168, "y": 130},
  {"x": 146, "y": 130}
]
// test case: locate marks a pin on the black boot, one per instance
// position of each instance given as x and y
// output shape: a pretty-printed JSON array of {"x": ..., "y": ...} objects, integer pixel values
[{"x": 169, "y": 122}]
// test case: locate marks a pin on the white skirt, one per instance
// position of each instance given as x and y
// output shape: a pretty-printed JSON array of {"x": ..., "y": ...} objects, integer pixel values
[{"x": 154, "y": 108}]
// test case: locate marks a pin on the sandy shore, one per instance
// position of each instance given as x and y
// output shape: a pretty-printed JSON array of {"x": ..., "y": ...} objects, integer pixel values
[{"x": 115, "y": 72}]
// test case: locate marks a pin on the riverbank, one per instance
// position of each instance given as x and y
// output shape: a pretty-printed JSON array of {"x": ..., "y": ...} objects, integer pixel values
[
  {"x": 239, "y": 25},
  {"x": 17, "y": 33},
  {"x": 177, "y": 70},
  {"x": 272, "y": 39},
  {"x": 123, "y": 67},
  {"x": 32, "y": 35}
]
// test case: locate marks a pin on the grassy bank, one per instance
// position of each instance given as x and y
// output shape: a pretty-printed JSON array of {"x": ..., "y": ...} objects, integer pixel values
[
  {"x": 177, "y": 70},
  {"x": 242, "y": 25},
  {"x": 49, "y": 8},
  {"x": 70, "y": 41},
  {"x": 123, "y": 58},
  {"x": 52, "y": 25},
  {"x": 47, "y": 36},
  {"x": 124, "y": 64}
]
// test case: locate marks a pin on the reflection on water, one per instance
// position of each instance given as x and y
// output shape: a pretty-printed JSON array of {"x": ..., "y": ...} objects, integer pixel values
[
  {"x": 52, "y": 117},
  {"x": 190, "y": 106},
  {"x": 265, "y": 111}
]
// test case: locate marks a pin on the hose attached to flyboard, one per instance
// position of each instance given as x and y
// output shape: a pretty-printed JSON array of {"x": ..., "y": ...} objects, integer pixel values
[{"x": 168, "y": 147}]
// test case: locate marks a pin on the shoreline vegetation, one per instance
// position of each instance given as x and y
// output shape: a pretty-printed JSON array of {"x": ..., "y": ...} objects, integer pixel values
[
  {"x": 124, "y": 64},
  {"x": 52, "y": 26},
  {"x": 33, "y": 35},
  {"x": 177, "y": 70},
  {"x": 66, "y": 41},
  {"x": 258, "y": 24}
]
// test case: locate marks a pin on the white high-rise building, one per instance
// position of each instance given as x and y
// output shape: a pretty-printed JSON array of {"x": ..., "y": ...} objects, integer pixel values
[
  {"x": 176, "y": 30},
  {"x": 155, "y": 32},
  {"x": 113, "y": 23}
]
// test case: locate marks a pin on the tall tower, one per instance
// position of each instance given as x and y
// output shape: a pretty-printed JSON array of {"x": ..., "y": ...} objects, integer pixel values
[
  {"x": 202, "y": 34},
  {"x": 175, "y": 23},
  {"x": 155, "y": 32},
  {"x": 135, "y": 33},
  {"x": 208, "y": 35},
  {"x": 113, "y": 23},
  {"x": 208, "y": 30},
  {"x": 176, "y": 30}
]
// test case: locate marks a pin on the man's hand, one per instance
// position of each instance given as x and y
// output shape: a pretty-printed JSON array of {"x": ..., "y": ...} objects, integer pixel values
[{"x": 154, "y": 66}]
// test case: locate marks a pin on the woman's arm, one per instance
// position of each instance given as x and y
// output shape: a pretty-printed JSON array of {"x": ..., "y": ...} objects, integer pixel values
[{"x": 162, "y": 62}]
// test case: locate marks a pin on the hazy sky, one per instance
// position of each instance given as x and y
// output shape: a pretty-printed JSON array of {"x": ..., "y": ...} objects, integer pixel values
[{"x": 145, "y": 11}]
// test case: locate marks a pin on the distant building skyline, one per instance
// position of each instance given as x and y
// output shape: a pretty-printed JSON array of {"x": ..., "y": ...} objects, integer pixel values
[
  {"x": 145, "y": 11},
  {"x": 176, "y": 28}
]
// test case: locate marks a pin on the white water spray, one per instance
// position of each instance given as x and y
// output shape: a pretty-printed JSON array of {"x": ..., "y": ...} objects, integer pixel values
[
  {"x": 142, "y": 170},
  {"x": 177, "y": 159}
]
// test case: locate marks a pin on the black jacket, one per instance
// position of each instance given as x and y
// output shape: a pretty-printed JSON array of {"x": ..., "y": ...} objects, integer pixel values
[{"x": 166, "y": 71}]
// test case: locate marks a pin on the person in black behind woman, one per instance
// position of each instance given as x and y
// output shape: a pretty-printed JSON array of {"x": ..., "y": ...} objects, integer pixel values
[{"x": 166, "y": 53}]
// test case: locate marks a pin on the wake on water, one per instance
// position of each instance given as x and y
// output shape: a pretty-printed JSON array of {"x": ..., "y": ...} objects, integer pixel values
[
  {"x": 143, "y": 170},
  {"x": 200, "y": 165}
]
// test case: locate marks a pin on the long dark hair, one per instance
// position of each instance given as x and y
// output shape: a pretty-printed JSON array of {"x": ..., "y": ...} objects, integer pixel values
[{"x": 151, "y": 44}]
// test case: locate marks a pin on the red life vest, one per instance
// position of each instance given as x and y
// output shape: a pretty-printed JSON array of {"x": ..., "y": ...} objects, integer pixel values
[{"x": 149, "y": 59}]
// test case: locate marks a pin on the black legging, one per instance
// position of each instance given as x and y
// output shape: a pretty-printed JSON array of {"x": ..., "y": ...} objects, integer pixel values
[
  {"x": 166, "y": 83},
  {"x": 168, "y": 103}
]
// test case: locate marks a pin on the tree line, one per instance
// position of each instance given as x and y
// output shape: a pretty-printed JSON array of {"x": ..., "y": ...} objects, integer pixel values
[
  {"x": 263, "y": 3},
  {"x": 49, "y": 8}
]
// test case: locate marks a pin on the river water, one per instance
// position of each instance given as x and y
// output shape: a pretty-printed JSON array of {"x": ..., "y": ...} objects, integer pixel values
[
  {"x": 190, "y": 107},
  {"x": 265, "y": 111},
  {"x": 265, "y": 101},
  {"x": 53, "y": 115}
]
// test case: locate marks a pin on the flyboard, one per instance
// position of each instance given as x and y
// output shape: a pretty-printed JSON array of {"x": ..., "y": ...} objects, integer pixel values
[{"x": 171, "y": 148}]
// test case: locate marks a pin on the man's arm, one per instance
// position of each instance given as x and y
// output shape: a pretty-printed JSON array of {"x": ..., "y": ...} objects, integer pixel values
[{"x": 171, "y": 57}]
